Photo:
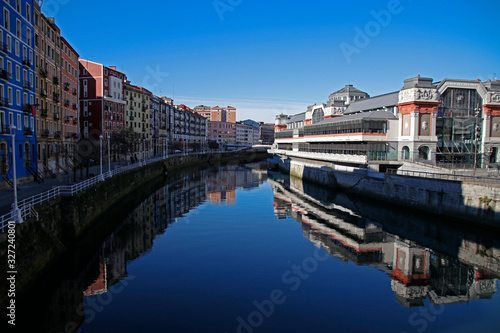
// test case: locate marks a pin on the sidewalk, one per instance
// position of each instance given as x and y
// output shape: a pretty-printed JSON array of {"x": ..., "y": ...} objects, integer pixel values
[{"x": 28, "y": 190}]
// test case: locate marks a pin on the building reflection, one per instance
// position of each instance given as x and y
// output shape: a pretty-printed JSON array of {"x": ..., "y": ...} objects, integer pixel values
[
  {"x": 151, "y": 218},
  {"x": 424, "y": 260},
  {"x": 86, "y": 278}
]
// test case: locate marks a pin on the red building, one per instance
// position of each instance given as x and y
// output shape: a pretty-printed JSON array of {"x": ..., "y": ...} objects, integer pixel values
[{"x": 102, "y": 101}]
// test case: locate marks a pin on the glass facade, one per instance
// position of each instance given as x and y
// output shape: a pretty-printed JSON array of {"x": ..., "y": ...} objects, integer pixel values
[{"x": 457, "y": 127}]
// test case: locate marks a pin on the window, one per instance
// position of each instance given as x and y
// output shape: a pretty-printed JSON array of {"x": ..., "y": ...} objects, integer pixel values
[
  {"x": 28, "y": 12},
  {"x": 18, "y": 72},
  {"x": 9, "y": 95},
  {"x": 18, "y": 6},
  {"x": 17, "y": 48},
  {"x": 18, "y": 29},
  {"x": 9, "y": 44},
  {"x": 6, "y": 19},
  {"x": 28, "y": 36}
]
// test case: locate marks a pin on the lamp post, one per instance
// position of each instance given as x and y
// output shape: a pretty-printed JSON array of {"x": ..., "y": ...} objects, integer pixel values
[
  {"x": 100, "y": 150},
  {"x": 15, "y": 210},
  {"x": 109, "y": 156}
]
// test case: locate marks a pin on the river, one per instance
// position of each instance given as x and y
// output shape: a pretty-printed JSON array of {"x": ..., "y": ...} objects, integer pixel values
[{"x": 236, "y": 249}]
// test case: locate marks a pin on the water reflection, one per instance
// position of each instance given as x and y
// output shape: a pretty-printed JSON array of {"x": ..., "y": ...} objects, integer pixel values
[
  {"x": 80, "y": 293},
  {"x": 424, "y": 259}
]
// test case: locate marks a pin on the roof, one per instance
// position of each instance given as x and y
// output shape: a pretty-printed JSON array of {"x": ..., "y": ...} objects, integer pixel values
[
  {"x": 349, "y": 88},
  {"x": 380, "y": 115},
  {"x": 373, "y": 103},
  {"x": 297, "y": 117}
]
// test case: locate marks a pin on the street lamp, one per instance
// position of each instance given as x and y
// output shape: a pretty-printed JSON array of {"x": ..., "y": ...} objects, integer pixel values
[
  {"x": 15, "y": 210},
  {"x": 109, "y": 156},
  {"x": 100, "y": 150}
]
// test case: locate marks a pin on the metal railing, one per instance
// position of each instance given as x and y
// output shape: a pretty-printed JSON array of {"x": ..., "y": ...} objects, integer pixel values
[
  {"x": 444, "y": 176},
  {"x": 26, "y": 206}
]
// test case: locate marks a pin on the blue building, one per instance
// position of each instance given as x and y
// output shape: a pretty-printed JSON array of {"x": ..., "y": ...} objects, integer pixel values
[{"x": 17, "y": 91}]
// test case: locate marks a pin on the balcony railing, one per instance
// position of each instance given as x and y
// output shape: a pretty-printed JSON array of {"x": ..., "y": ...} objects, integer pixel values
[
  {"x": 28, "y": 131},
  {"x": 66, "y": 102},
  {"x": 43, "y": 93},
  {"x": 55, "y": 97},
  {"x": 56, "y": 116},
  {"x": 3, "y": 48},
  {"x": 4, "y": 130},
  {"x": 75, "y": 121},
  {"x": 4, "y": 102},
  {"x": 27, "y": 108},
  {"x": 44, "y": 112},
  {"x": 43, "y": 72},
  {"x": 4, "y": 75},
  {"x": 57, "y": 134},
  {"x": 26, "y": 62},
  {"x": 74, "y": 91},
  {"x": 27, "y": 85},
  {"x": 55, "y": 80},
  {"x": 66, "y": 119},
  {"x": 75, "y": 106},
  {"x": 66, "y": 86},
  {"x": 45, "y": 133}
]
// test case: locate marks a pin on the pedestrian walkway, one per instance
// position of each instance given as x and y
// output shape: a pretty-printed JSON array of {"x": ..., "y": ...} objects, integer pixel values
[{"x": 30, "y": 189}]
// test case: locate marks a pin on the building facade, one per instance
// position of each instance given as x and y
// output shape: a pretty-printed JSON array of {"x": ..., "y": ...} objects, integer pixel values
[
  {"x": 17, "y": 98},
  {"x": 217, "y": 113},
  {"x": 222, "y": 132},
  {"x": 102, "y": 108},
  {"x": 139, "y": 118},
  {"x": 70, "y": 113},
  {"x": 451, "y": 123}
]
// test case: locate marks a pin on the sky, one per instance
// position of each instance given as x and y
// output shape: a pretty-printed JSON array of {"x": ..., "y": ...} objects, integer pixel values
[{"x": 279, "y": 56}]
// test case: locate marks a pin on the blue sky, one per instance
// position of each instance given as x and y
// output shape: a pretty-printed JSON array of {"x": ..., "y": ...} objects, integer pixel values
[{"x": 268, "y": 57}]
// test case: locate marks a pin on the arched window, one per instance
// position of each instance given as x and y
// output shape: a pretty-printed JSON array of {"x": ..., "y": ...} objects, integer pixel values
[
  {"x": 423, "y": 152},
  {"x": 405, "y": 153},
  {"x": 317, "y": 116}
]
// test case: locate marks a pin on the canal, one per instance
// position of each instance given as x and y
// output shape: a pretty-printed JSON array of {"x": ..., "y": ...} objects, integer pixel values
[{"x": 238, "y": 249}]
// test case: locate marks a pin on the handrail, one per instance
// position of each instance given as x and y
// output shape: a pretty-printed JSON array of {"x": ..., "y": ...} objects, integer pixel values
[
  {"x": 443, "y": 176},
  {"x": 26, "y": 206}
]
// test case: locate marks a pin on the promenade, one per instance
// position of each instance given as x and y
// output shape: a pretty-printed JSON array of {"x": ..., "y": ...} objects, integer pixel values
[{"x": 30, "y": 189}]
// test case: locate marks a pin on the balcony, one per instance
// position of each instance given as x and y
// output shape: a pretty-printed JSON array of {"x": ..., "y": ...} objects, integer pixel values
[
  {"x": 3, "y": 48},
  {"x": 55, "y": 80},
  {"x": 44, "y": 113},
  {"x": 75, "y": 106},
  {"x": 4, "y": 75},
  {"x": 43, "y": 72},
  {"x": 27, "y": 108},
  {"x": 27, "y": 85},
  {"x": 66, "y": 102},
  {"x": 56, "y": 116},
  {"x": 28, "y": 131},
  {"x": 66, "y": 119},
  {"x": 4, "y": 102},
  {"x": 75, "y": 121},
  {"x": 26, "y": 62},
  {"x": 74, "y": 135},
  {"x": 55, "y": 97},
  {"x": 45, "y": 133},
  {"x": 57, "y": 134},
  {"x": 4, "y": 130},
  {"x": 43, "y": 93},
  {"x": 74, "y": 91},
  {"x": 66, "y": 86}
]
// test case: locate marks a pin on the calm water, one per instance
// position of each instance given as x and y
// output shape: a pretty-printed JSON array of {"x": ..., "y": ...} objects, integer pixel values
[{"x": 233, "y": 250}]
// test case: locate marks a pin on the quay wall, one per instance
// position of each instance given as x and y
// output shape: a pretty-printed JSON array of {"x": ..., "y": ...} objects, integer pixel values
[
  {"x": 467, "y": 202},
  {"x": 64, "y": 221}
]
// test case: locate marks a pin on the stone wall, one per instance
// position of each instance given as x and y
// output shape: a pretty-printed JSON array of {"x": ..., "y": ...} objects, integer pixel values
[{"x": 464, "y": 201}]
